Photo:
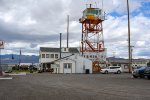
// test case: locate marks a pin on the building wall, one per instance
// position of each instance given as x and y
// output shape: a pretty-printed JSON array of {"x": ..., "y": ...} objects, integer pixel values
[
  {"x": 51, "y": 59},
  {"x": 61, "y": 63},
  {"x": 48, "y": 56},
  {"x": 94, "y": 55},
  {"x": 124, "y": 67},
  {"x": 82, "y": 64}
]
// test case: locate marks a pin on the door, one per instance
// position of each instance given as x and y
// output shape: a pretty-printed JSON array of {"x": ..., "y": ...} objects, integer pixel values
[{"x": 67, "y": 67}]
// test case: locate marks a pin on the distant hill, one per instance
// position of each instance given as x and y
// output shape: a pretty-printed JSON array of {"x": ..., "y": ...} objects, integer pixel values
[{"x": 14, "y": 59}]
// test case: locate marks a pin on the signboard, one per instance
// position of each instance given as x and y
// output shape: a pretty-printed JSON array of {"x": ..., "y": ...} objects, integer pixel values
[{"x": 1, "y": 44}]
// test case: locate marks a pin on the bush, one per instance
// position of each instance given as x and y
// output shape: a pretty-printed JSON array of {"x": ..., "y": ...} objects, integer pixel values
[
  {"x": 24, "y": 67},
  {"x": 16, "y": 67}
]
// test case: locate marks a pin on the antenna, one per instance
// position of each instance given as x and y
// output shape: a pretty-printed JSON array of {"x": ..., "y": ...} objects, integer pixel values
[
  {"x": 90, "y": 5},
  {"x": 95, "y": 5},
  {"x": 67, "y": 30},
  {"x": 86, "y": 5}
]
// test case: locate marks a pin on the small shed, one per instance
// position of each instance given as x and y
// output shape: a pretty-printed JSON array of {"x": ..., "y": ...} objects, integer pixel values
[{"x": 74, "y": 64}]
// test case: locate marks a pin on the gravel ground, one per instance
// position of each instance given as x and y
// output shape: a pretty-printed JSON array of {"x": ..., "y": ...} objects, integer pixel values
[{"x": 47, "y": 86}]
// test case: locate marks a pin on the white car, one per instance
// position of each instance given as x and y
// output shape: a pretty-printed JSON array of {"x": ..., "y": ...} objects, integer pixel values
[{"x": 112, "y": 69}]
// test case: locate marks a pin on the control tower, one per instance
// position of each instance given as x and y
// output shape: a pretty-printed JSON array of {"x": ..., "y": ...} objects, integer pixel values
[{"x": 92, "y": 42}]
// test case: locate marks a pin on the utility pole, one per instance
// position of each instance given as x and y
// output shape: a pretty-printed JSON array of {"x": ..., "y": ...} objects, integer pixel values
[
  {"x": 19, "y": 59},
  {"x": 132, "y": 55},
  {"x": 129, "y": 45},
  {"x": 60, "y": 45},
  {"x": 1, "y": 47},
  {"x": 0, "y": 64}
]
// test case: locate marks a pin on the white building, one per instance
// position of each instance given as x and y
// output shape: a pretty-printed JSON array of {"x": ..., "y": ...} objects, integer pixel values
[
  {"x": 70, "y": 62},
  {"x": 94, "y": 56},
  {"x": 124, "y": 63}
]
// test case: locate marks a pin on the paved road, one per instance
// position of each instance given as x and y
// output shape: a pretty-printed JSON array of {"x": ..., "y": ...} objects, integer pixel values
[{"x": 47, "y": 86}]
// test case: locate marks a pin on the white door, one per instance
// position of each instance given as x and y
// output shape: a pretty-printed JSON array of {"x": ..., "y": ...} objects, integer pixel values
[{"x": 67, "y": 67}]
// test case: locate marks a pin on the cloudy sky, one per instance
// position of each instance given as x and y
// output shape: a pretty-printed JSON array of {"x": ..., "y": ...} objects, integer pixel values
[{"x": 30, "y": 24}]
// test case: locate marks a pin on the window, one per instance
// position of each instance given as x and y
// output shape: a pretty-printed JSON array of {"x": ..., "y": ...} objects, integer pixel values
[
  {"x": 43, "y": 55},
  {"x": 114, "y": 64},
  {"x": 52, "y": 55},
  {"x": 114, "y": 67},
  {"x": 119, "y": 64},
  {"x": 95, "y": 56},
  {"x": 64, "y": 49},
  {"x": 56, "y": 55},
  {"x": 67, "y": 65},
  {"x": 47, "y": 55},
  {"x": 87, "y": 56}
]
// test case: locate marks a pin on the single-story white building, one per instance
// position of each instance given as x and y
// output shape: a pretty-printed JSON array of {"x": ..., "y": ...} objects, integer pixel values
[
  {"x": 73, "y": 64},
  {"x": 124, "y": 63}
]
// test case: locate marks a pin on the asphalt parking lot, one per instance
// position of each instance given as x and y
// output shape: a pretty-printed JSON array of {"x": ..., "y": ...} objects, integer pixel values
[{"x": 47, "y": 86}]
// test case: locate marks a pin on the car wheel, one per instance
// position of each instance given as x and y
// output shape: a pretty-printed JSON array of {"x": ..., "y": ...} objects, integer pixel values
[
  {"x": 148, "y": 77},
  {"x": 135, "y": 76},
  {"x": 106, "y": 72},
  {"x": 141, "y": 76},
  {"x": 118, "y": 72}
]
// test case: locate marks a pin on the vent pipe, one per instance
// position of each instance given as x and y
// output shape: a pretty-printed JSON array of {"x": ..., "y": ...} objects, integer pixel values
[
  {"x": 67, "y": 31},
  {"x": 60, "y": 45}
]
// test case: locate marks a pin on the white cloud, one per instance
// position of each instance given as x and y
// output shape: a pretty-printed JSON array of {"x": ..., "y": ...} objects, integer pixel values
[{"x": 35, "y": 23}]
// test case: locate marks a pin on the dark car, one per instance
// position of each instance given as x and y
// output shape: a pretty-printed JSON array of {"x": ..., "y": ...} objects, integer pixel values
[
  {"x": 139, "y": 72},
  {"x": 147, "y": 72}
]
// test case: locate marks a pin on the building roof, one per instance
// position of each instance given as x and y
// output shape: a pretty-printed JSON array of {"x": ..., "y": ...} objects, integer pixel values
[{"x": 46, "y": 49}]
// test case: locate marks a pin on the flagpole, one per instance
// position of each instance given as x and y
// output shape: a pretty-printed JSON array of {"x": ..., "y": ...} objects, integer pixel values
[
  {"x": 1, "y": 47},
  {"x": 20, "y": 58}
]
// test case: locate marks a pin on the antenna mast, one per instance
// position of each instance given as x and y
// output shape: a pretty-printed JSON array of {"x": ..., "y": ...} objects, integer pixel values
[{"x": 67, "y": 30}]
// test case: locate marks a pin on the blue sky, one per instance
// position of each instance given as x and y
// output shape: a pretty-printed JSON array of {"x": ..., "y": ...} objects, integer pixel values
[{"x": 143, "y": 9}]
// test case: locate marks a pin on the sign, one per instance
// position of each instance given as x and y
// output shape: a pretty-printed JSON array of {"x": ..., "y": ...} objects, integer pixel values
[{"x": 1, "y": 44}]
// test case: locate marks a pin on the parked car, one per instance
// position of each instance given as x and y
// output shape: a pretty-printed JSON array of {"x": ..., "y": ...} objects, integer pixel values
[
  {"x": 112, "y": 69},
  {"x": 139, "y": 72},
  {"x": 147, "y": 72}
]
